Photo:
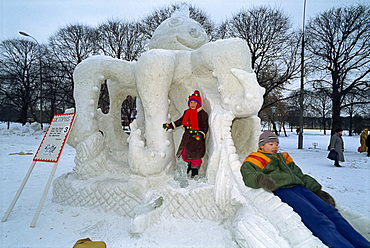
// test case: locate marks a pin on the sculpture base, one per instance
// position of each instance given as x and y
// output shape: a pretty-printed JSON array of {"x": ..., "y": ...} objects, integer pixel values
[{"x": 126, "y": 195}]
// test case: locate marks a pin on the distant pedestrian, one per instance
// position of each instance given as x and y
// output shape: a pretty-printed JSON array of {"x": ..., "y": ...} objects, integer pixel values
[
  {"x": 363, "y": 137},
  {"x": 368, "y": 145},
  {"x": 337, "y": 144}
]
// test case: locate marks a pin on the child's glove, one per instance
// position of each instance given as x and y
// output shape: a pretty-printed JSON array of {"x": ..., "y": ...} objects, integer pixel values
[
  {"x": 196, "y": 135},
  {"x": 167, "y": 126},
  {"x": 266, "y": 182},
  {"x": 325, "y": 197}
]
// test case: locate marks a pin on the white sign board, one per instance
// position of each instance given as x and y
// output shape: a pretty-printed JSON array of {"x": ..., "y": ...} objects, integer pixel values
[
  {"x": 55, "y": 138},
  {"x": 49, "y": 150}
]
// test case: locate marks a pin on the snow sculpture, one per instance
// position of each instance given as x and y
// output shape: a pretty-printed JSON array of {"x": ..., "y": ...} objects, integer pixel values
[{"x": 133, "y": 175}]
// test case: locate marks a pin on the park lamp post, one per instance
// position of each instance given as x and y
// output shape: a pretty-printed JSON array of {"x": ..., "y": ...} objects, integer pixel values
[
  {"x": 40, "y": 72},
  {"x": 300, "y": 134}
]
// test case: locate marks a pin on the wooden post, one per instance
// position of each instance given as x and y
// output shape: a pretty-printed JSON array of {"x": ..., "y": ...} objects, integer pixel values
[
  {"x": 42, "y": 200},
  {"x": 50, "y": 150}
]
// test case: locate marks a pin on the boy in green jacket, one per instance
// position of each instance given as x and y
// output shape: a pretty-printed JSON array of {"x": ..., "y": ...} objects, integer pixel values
[{"x": 278, "y": 173}]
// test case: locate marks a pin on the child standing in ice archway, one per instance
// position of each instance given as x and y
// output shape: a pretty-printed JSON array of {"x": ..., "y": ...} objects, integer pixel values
[
  {"x": 193, "y": 145},
  {"x": 278, "y": 173}
]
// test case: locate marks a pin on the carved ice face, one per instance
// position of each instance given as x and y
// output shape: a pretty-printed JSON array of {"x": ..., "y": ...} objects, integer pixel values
[{"x": 178, "y": 33}]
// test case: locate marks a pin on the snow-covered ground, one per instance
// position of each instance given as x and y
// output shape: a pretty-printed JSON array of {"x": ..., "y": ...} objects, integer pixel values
[{"x": 62, "y": 226}]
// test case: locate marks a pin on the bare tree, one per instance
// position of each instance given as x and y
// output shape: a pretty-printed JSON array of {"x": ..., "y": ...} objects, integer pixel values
[
  {"x": 70, "y": 46},
  {"x": 293, "y": 108},
  {"x": 275, "y": 111},
  {"x": 55, "y": 99},
  {"x": 121, "y": 40},
  {"x": 222, "y": 31},
  {"x": 319, "y": 103},
  {"x": 19, "y": 72},
  {"x": 339, "y": 42},
  {"x": 273, "y": 45},
  {"x": 352, "y": 107}
]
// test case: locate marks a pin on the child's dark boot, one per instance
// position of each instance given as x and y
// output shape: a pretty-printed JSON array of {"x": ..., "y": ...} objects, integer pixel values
[
  {"x": 189, "y": 168},
  {"x": 194, "y": 172}
]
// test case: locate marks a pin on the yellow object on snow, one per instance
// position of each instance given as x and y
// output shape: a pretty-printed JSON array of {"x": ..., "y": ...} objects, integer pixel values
[{"x": 88, "y": 243}]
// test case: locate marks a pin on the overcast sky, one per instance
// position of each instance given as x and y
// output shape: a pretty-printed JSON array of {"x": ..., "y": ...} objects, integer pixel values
[{"x": 42, "y": 18}]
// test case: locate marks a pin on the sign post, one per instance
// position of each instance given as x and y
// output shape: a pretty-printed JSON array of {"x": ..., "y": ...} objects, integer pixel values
[{"x": 50, "y": 150}]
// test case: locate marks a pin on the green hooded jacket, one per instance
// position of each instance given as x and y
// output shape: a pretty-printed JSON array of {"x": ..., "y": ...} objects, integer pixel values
[{"x": 280, "y": 167}]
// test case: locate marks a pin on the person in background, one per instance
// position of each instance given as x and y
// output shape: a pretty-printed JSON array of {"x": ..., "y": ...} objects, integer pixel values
[
  {"x": 193, "y": 145},
  {"x": 363, "y": 137},
  {"x": 336, "y": 143},
  {"x": 278, "y": 173},
  {"x": 368, "y": 145}
]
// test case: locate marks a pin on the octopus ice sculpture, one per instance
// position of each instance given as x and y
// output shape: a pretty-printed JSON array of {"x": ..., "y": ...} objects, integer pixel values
[{"x": 138, "y": 175}]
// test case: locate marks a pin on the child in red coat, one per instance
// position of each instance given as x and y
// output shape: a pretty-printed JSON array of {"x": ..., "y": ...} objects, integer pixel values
[{"x": 193, "y": 145}]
